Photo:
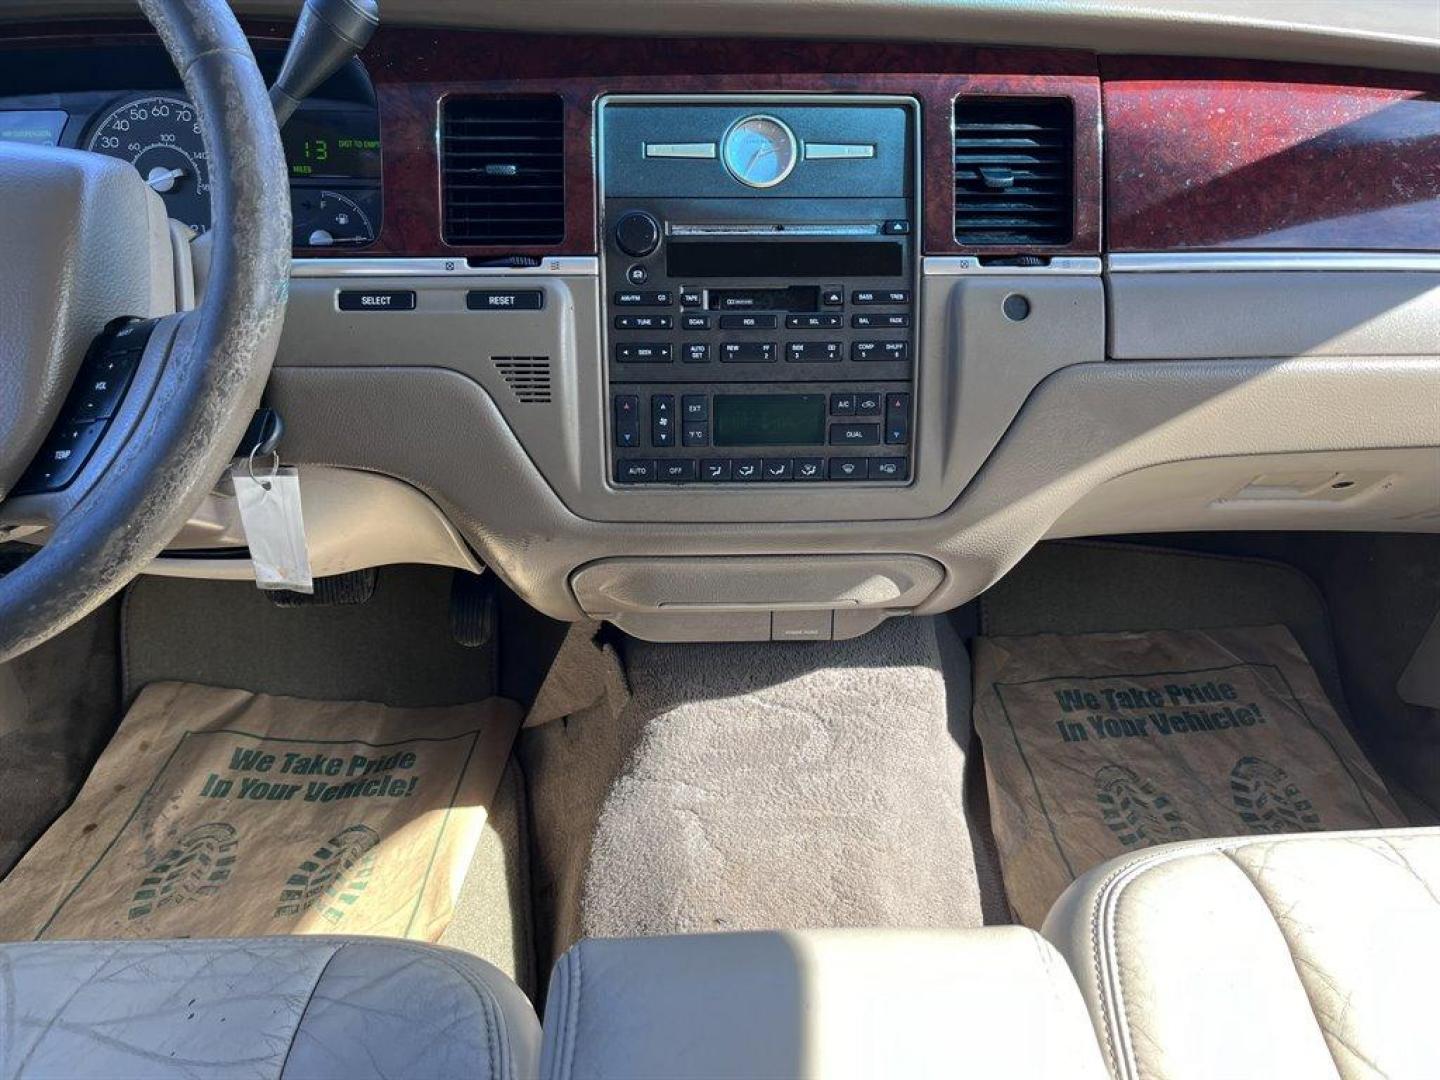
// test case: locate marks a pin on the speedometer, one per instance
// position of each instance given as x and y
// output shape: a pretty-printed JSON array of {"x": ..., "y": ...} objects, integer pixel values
[{"x": 160, "y": 136}]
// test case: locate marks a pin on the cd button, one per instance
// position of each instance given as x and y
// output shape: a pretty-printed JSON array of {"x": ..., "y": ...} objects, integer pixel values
[{"x": 747, "y": 352}]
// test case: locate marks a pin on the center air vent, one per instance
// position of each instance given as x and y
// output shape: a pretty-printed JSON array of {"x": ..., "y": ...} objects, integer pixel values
[
  {"x": 502, "y": 164},
  {"x": 1014, "y": 178}
]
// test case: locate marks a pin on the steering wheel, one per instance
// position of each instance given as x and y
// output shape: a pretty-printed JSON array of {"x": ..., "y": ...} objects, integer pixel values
[{"x": 79, "y": 233}]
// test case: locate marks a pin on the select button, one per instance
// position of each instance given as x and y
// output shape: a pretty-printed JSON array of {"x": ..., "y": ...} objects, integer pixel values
[{"x": 376, "y": 300}]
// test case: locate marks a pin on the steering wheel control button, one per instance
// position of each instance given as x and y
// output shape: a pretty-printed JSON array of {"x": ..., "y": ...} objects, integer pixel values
[
  {"x": 503, "y": 300},
  {"x": 376, "y": 300},
  {"x": 62, "y": 457},
  {"x": 637, "y": 233}
]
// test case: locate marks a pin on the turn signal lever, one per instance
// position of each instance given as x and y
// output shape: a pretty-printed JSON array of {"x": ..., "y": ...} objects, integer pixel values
[{"x": 327, "y": 34}]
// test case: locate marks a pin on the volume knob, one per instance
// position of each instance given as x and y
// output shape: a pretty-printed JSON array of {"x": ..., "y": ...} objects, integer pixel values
[{"x": 637, "y": 233}]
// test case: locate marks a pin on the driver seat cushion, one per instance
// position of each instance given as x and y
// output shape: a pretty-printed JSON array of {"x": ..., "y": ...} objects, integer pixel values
[
  {"x": 283, "y": 1007},
  {"x": 1308, "y": 955}
]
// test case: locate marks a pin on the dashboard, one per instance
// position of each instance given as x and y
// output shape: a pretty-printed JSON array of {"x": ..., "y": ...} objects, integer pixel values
[{"x": 728, "y": 338}]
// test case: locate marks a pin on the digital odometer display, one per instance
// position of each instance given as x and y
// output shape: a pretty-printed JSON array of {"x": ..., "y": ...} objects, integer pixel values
[{"x": 332, "y": 144}]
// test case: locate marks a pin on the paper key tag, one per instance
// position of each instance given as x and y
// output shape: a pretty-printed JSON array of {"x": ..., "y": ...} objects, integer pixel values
[{"x": 274, "y": 529}]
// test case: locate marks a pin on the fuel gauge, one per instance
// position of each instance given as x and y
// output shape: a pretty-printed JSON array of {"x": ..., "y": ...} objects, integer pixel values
[{"x": 324, "y": 218}]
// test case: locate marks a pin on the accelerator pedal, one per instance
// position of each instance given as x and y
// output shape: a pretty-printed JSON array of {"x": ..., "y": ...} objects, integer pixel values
[
  {"x": 472, "y": 608},
  {"x": 355, "y": 587}
]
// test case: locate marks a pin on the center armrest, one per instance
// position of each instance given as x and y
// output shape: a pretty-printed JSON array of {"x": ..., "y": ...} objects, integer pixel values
[{"x": 827, "y": 1003}]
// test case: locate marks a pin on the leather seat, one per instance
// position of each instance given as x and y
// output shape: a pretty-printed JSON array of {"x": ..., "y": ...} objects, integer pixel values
[
  {"x": 1294, "y": 956},
  {"x": 831, "y": 1004},
  {"x": 262, "y": 1007}
]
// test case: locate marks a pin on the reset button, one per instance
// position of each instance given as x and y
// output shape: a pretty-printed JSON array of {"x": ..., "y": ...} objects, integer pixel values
[
  {"x": 371, "y": 300},
  {"x": 505, "y": 299}
]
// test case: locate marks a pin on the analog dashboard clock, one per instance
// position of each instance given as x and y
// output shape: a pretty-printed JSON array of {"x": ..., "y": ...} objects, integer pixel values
[{"x": 760, "y": 151}]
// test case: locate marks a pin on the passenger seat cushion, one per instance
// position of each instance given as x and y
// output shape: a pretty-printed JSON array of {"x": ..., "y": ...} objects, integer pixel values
[
  {"x": 263, "y": 1007},
  {"x": 1296, "y": 955},
  {"x": 835, "y": 1004}
]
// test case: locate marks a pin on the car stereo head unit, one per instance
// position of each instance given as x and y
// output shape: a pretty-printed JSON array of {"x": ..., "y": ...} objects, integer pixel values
[{"x": 759, "y": 273}]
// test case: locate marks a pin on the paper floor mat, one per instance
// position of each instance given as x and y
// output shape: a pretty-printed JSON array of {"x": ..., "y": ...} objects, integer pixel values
[
  {"x": 1101, "y": 744},
  {"x": 222, "y": 813}
]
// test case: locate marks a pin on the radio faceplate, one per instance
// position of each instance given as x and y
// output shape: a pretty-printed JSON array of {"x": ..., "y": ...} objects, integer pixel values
[{"x": 759, "y": 330}]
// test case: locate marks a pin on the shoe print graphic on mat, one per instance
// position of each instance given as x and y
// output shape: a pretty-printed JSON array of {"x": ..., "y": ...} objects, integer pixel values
[
  {"x": 196, "y": 867},
  {"x": 1135, "y": 810},
  {"x": 335, "y": 875},
  {"x": 1267, "y": 800}
]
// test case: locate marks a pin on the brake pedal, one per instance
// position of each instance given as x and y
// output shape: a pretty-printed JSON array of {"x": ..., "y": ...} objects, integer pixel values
[
  {"x": 355, "y": 587},
  {"x": 472, "y": 609}
]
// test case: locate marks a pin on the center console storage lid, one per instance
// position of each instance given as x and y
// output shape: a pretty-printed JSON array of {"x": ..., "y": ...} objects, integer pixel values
[
  {"x": 715, "y": 585},
  {"x": 822, "y": 1003}
]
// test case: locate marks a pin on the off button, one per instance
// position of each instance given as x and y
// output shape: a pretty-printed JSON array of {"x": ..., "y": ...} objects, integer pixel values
[{"x": 377, "y": 300}]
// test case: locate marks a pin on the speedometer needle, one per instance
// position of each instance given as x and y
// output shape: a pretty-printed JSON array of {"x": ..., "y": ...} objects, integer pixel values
[{"x": 163, "y": 179}]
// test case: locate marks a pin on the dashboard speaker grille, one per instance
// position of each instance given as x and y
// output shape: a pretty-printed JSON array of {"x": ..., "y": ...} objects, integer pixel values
[
  {"x": 502, "y": 168},
  {"x": 528, "y": 377},
  {"x": 1014, "y": 171}
]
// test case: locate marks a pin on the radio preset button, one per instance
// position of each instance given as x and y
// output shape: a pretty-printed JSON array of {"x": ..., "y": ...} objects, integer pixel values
[
  {"x": 879, "y": 350},
  {"x": 642, "y": 353},
  {"x": 694, "y": 322},
  {"x": 695, "y": 352},
  {"x": 854, "y": 434},
  {"x": 746, "y": 469},
  {"x": 812, "y": 352},
  {"x": 748, "y": 352},
  {"x": 848, "y": 468},
  {"x": 810, "y": 468},
  {"x": 747, "y": 322},
  {"x": 715, "y": 470}
]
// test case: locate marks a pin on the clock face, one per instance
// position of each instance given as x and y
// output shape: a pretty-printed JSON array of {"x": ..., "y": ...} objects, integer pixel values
[{"x": 760, "y": 151}]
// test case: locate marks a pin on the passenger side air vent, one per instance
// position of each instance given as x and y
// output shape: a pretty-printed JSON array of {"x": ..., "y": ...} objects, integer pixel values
[
  {"x": 502, "y": 167},
  {"x": 1014, "y": 174},
  {"x": 528, "y": 377}
]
